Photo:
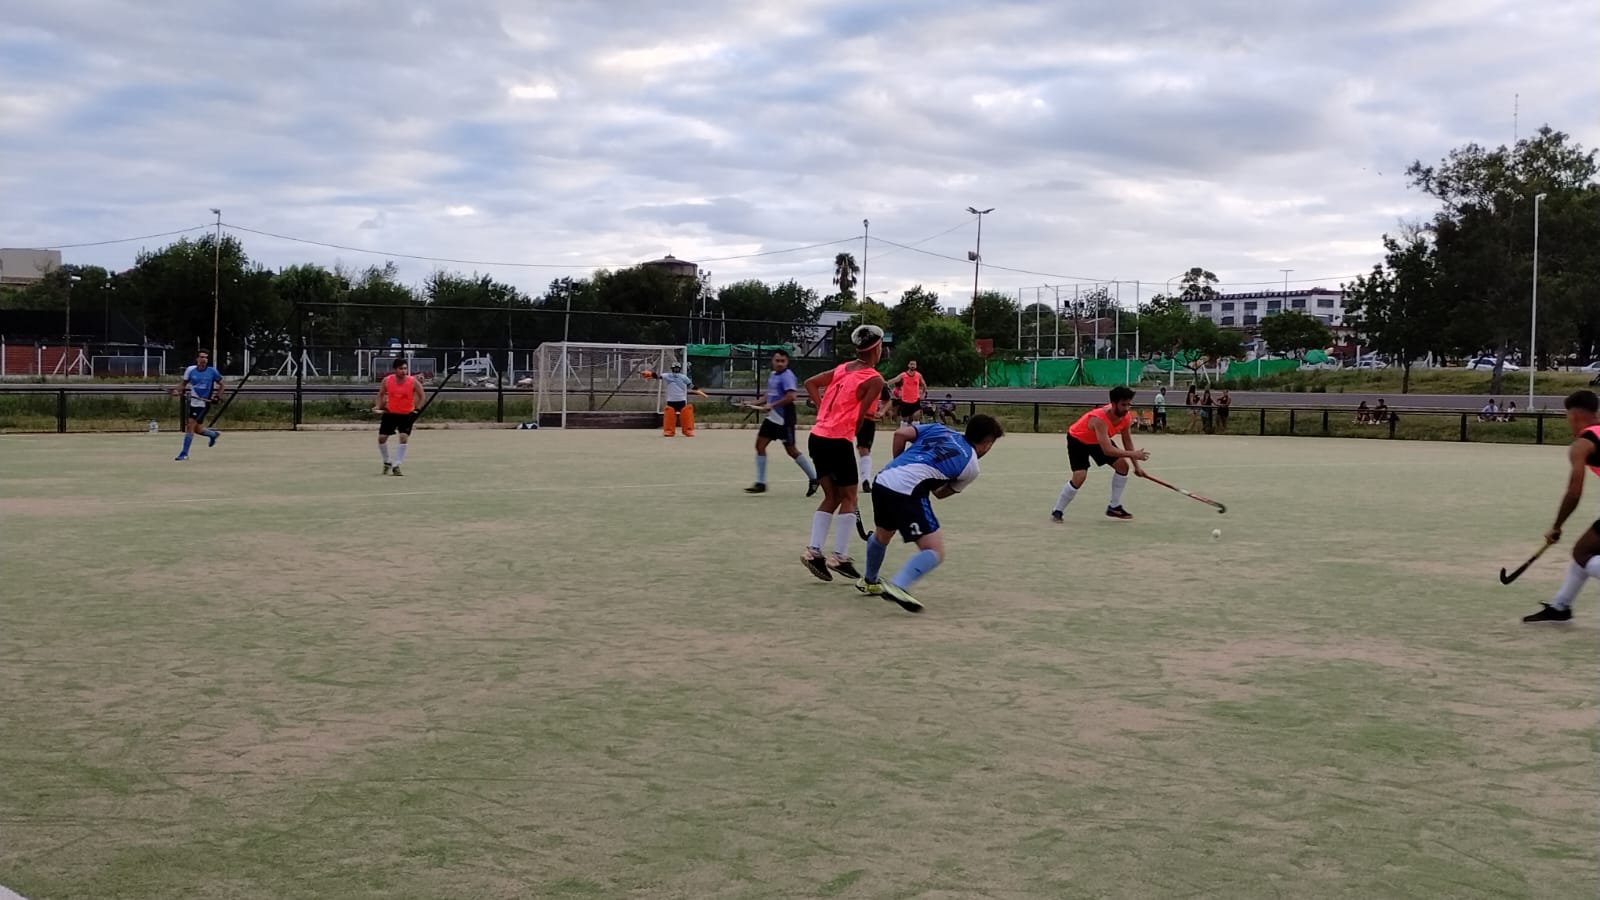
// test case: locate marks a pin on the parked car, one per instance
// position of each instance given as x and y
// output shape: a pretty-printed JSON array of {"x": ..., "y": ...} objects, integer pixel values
[
  {"x": 1487, "y": 362},
  {"x": 1592, "y": 368}
]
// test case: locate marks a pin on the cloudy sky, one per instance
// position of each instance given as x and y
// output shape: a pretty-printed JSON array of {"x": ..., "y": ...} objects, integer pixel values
[{"x": 1115, "y": 140}]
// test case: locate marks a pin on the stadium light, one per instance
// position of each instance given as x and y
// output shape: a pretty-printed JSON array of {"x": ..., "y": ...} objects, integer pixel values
[{"x": 977, "y": 261}]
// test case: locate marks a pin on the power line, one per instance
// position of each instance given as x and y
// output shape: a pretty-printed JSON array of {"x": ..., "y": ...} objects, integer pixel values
[
  {"x": 505, "y": 263},
  {"x": 142, "y": 237}
]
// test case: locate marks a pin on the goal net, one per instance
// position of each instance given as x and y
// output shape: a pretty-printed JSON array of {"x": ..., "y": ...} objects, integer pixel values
[{"x": 578, "y": 377}]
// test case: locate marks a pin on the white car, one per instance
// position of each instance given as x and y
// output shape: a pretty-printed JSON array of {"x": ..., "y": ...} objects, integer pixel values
[
  {"x": 1592, "y": 368},
  {"x": 1487, "y": 362}
]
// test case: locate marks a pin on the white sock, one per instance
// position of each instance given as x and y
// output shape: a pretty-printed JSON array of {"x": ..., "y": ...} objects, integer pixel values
[
  {"x": 1067, "y": 493},
  {"x": 1593, "y": 567},
  {"x": 400, "y": 454},
  {"x": 1118, "y": 482},
  {"x": 819, "y": 529},
  {"x": 1570, "y": 587},
  {"x": 864, "y": 466},
  {"x": 843, "y": 525},
  {"x": 383, "y": 451}
]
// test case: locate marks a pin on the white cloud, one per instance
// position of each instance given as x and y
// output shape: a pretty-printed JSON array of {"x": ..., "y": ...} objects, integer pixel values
[{"x": 1114, "y": 140}]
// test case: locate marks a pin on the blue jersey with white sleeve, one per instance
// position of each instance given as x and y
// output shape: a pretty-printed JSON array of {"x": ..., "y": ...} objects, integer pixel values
[
  {"x": 200, "y": 383},
  {"x": 778, "y": 384},
  {"x": 937, "y": 457}
]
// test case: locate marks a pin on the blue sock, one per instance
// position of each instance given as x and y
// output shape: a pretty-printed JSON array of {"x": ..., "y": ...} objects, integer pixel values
[
  {"x": 761, "y": 469},
  {"x": 920, "y": 564},
  {"x": 875, "y": 554},
  {"x": 210, "y": 432},
  {"x": 187, "y": 438}
]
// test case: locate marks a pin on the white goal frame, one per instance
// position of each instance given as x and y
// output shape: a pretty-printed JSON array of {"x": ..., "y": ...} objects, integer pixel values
[{"x": 558, "y": 376}]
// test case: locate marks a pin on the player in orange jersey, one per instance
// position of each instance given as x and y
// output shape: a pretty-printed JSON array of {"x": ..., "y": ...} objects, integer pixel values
[
  {"x": 1089, "y": 438},
  {"x": 851, "y": 390},
  {"x": 1583, "y": 414}
]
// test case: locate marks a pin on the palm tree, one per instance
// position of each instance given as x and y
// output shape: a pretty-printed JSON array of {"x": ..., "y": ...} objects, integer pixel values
[{"x": 845, "y": 270}]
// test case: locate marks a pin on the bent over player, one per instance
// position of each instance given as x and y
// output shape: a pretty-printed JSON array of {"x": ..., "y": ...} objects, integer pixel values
[
  {"x": 929, "y": 460},
  {"x": 779, "y": 424},
  {"x": 1583, "y": 414},
  {"x": 1089, "y": 438},
  {"x": 200, "y": 385},
  {"x": 850, "y": 390},
  {"x": 400, "y": 401}
]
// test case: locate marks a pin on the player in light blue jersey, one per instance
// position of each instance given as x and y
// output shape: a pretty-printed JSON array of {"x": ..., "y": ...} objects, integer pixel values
[
  {"x": 200, "y": 386},
  {"x": 779, "y": 424},
  {"x": 677, "y": 408},
  {"x": 929, "y": 461}
]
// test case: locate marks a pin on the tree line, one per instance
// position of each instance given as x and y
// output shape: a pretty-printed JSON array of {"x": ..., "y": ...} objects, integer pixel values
[{"x": 1457, "y": 284}]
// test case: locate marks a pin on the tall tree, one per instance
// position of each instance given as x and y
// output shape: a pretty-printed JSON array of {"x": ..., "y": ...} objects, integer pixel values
[
  {"x": 916, "y": 306},
  {"x": 1198, "y": 284},
  {"x": 1295, "y": 332},
  {"x": 1483, "y": 233},
  {"x": 994, "y": 316},
  {"x": 1399, "y": 309},
  {"x": 943, "y": 349},
  {"x": 846, "y": 271}
]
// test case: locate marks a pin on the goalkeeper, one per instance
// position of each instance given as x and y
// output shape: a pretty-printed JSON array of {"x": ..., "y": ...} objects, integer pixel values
[{"x": 677, "y": 408}]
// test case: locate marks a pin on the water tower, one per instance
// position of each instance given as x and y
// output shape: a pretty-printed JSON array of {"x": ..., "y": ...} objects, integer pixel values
[{"x": 671, "y": 265}]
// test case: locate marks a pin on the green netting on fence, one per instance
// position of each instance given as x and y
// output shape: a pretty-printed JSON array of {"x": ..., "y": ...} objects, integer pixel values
[
  {"x": 1259, "y": 367},
  {"x": 1067, "y": 372},
  {"x": 726, "y": 350}
]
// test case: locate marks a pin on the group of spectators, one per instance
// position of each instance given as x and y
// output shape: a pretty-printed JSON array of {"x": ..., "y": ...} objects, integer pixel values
[
  {"x": 1493, "y": 412},
  {"x": 1205, "y": 411},
  {"x": 1374, "y": 415}
]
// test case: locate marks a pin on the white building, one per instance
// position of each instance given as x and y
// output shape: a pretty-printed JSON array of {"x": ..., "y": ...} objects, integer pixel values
[
  {"x": 1248, "y": 309},
  {"x": 27, "y": 266}
]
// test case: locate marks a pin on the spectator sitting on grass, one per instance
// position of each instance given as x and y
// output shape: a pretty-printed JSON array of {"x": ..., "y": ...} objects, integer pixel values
[
  {"x": 1363, "y": 414},
  {"x": 1380, "y": 413},
  {"x": 1489, "y": 411},
  {"x": 947, "y": 409},
  {"x": 1511, "y": 411}
]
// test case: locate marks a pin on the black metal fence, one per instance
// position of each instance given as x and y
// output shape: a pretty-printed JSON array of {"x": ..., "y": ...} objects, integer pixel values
[{"x": 268, "y": 404}]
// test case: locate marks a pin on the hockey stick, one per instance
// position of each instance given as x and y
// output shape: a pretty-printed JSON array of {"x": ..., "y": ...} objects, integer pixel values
[
  {"x": 435, "y": 395},
  {"x": 861, "y": 529},
  {"x": 1508, "y": 578},
  {"x": 1218, "y": 506}
]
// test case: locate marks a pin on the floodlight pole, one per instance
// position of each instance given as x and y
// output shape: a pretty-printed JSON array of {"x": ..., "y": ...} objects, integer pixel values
[
  {"x": 216, "y": 286},
  {"x": 977, "y": 261},
  {"x": 1533, "y": 327}
]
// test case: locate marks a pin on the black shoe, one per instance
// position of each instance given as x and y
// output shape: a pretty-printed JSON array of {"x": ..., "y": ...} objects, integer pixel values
[
  {"x": 386, "y": 468},
  {"x": 395, "y": 470},
  {"x": 757, "y": 488},
  {"x": 1548, "y": 613},
  {"x": 866, "y": 486},
  {"x": 844, "y": 567},
  {"x": 812, "y": 488},
  {"x": 1117, "y": 512},
  {"x": 817, "y": 565},
  {"x": 1055, "y": 516}
]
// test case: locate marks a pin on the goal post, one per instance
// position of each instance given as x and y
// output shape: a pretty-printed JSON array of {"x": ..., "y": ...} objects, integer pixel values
[{"x": 578, "y": 376}]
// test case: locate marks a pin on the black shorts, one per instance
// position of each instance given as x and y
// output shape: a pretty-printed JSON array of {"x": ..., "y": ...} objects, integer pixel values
[
  {"x": 907, "y": 410},
  {"x": 677, "y": 405},
  {"x": 773, "y": 431},
  {"x": 834, "y": 458},
  {"x": 911, "y": 516},
  {"x": 1079, "y": 454},
  {"x": 392, "y": 422},
  {"x": 197, "y": 413},
  {"x": 1597, "y": 526},
  {"x": 865, "y": 432}
]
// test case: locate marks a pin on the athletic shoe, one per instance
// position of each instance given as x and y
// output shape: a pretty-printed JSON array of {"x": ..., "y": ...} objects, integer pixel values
[
  {"x": 816, "y": 565},
  {"x": 386, "y": 468},
  {"x": 1548, "y": 613},
  {"x": 870, "y": 588},
  {"x": 395, "y": 470},
  {"x": 1117, "y": 512},
  {"x": 181, "y": 457},
  {"x": 811, "y": 487},
  {"x": 843, "y": 566},
  {"x": 866, "y": 486},
  {"x": 1055, "y": 516},
  {"x": 212, "y": 441},
  {"x": 895, "y": 594},
  {"x": 757, "y": 488}
]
